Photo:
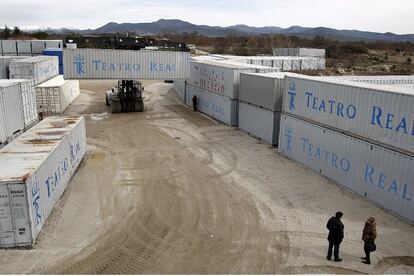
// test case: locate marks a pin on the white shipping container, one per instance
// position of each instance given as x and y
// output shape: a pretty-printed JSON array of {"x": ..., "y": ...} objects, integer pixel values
[
  {"x": 38, "y": 46},
  {"x": 381, "y": 114},
  {"x": 299, "y": 52},
  {"x": 222, "y": 78},
  {"x": 35, "y": 171},
  {"x": 55, "y": 95},
  {"x": 376, "y": 173},
  {"x": 11, "y": 112},
  {"x": 125, "y": 64},
  {"x": 380, "y": 80},
  {"x": 27, "y": 47},
  {"x": 24, "y": 48},
  {"x": 8, "y": 47},
  {"x": 263, "y": 89},
  {"x": 259, "y": 122},
  {"x": 218, "y": 107},
  {"x": 4, "y": 65},
  {"x": 54, "y": 43},
  {"x": 71, "y": 45},
  {"x": 28, "y": 94},
  {"x": 180, "y": 87},
  {"x": 39, "y": 68}
]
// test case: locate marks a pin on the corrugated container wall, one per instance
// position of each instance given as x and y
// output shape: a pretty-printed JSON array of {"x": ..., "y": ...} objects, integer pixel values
[
  {"x": 28, "y": 95},
  {"x": 299, "y": 52},
  {"x": 378, "y": 174},
  {"x": 125, "y": 64},
  {"x": 375, "y": 113},
  {"x": 216, "y": 106},
  {"x": 380, "y": 80},
  {"x": 24, "y": 48},
  {"x": 35, "y": 171},
  {"x": 263, "y": 90},
  {"x": 8, "y": 47},
  {"x": 259, "y": 122},
  {"x": 27, "y": 47},
  {"x": 55, "y": 52},
  {"x": 221, "y": 78},
  {"x": 11, "y": 112},
  {"x": 39, "y": 69},
  {"x": 55, "y": 95},
  {"x": 180, "y": 88},
  {"x": 4, "y": 65}
]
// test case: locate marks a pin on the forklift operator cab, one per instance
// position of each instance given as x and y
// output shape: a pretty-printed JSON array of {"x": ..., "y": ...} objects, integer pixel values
[{"x": 126, "y": 97}]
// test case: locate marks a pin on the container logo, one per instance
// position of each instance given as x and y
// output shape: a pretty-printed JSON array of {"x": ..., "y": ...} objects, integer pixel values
[
  {"x": 292, "y": 95},
  {"x": 79, "y": 64},
  {"x": 289, "y": 138},
  {"x": 36, "y": 204}
]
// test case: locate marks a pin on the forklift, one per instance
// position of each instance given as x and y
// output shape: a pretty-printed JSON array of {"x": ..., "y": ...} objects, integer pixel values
[{"x": 126, "y": 97}]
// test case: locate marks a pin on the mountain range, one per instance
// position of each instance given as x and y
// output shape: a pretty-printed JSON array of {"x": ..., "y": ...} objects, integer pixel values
[{"x": 174, "y": 26}]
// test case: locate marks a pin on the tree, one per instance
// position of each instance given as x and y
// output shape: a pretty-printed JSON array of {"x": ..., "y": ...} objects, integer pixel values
[
  {"x": 6, "y": 32},
  {"x": 17, "y": 31}
]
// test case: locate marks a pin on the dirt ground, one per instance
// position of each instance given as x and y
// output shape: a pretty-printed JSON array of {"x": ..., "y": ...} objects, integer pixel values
[{"x": 171, "y": 191}]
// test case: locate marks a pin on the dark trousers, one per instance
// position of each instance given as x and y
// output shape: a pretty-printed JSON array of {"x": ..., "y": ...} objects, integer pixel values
[
  {"x": 335, "y": 247},
  {"x": 367, "y": 253}
]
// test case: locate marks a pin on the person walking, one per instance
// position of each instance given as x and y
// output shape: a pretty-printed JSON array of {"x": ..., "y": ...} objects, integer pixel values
[
  {"x": 369, "y": 234},
  {"x": 336, "y": 235},
  {"x": 194, "y": 99}
]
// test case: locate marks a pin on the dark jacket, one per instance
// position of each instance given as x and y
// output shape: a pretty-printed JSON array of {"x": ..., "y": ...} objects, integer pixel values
[{"x": 336, "y": 230}]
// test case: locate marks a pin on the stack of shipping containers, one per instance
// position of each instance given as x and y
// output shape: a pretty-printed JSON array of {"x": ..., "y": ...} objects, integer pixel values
[
  {"x": 359, "y": 135},
  {"x": 216, "y": 86},
  {"x": 260, "y": 104}
]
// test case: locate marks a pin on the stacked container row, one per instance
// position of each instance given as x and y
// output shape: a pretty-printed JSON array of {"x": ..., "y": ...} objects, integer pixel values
[
  {"x": 55, "y": 95},
  {"x": 221, "y": 80},
  {"x": 260, "y": 103},
  {"x": 37, "y": 167},
  {"x": 27, "y": 47},
  {"x": 380, "y": 80},
  {"x": 380, "y": 114},
  {"x": 39, "y": 69},
  {"x": 218, "y": 107},
  {"x": 299, "y": 52},
  {"x": 381, "y": 175},
  {"x": 284, "y": 63},
  {"x": 360, "y": 135}
]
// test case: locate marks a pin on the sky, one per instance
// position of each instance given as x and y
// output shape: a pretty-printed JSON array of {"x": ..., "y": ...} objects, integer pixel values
[{"x": 366, "y": 15}]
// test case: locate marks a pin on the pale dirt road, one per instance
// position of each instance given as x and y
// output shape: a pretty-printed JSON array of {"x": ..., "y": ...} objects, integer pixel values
[{"x": 170, "y": 191}]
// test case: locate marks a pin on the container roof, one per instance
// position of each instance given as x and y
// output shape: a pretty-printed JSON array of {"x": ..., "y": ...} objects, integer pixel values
[
  {"x": 346, "y": 82},
  {"x": 54, "y": 82},
  {"x": 21, "y": 158},
  {"x": 34, "y": 59}
]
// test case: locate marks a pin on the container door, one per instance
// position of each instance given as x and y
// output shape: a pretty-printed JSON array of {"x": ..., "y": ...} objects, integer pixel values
[
  {"x": 3, "y": 131},
  {"x": 7, "y": 238},
  {"x": 14, "y": 216},
  {"x": 20, "y": 213}
]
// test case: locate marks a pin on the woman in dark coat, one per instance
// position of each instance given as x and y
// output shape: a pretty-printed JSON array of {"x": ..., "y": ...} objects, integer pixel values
[{"x": 368, "y": 236}]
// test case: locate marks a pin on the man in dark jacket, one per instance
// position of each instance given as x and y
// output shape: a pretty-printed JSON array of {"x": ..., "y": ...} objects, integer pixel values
[{"x": 336, "y": 235}]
